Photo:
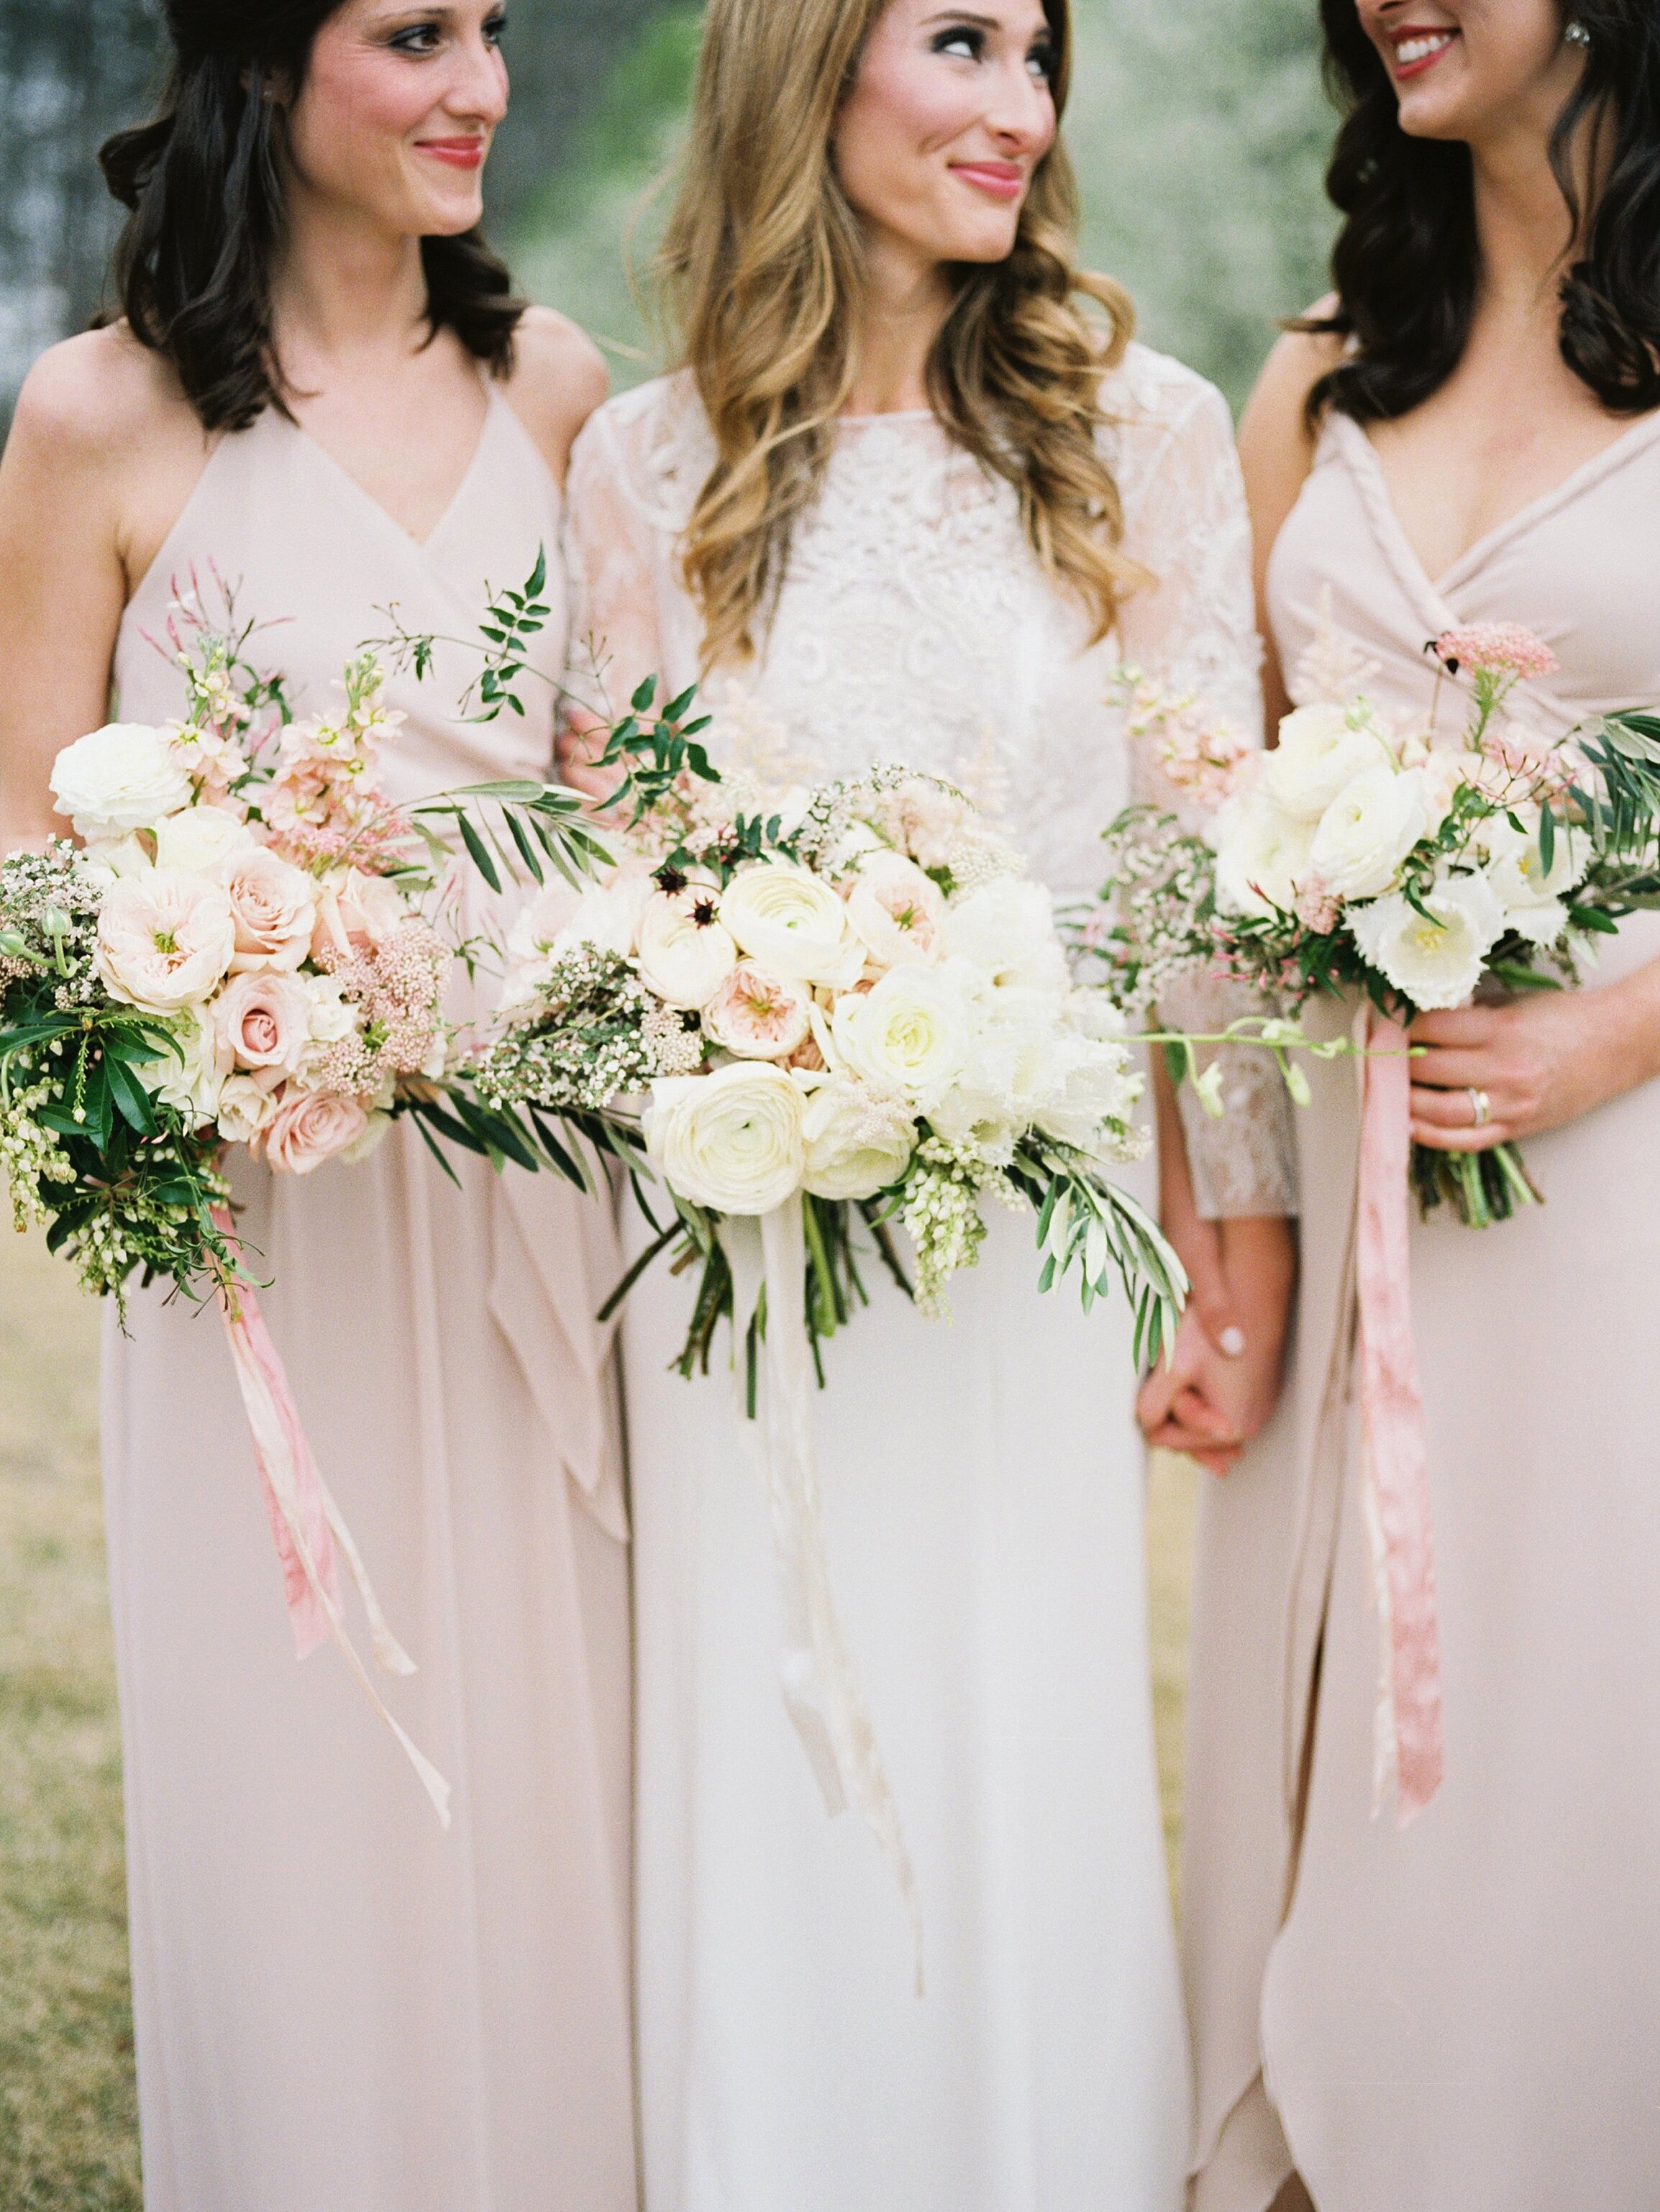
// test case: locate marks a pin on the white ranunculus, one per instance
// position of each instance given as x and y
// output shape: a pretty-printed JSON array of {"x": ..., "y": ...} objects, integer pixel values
[
  {"x": 685, "y": 953},
  {"x": 164, "y": 939},
  {"x": 732, "y": 1141},
  {"x": 1322, "y": 750},
  {"x": 1532, "y": 899},
  {"x": 1367, "y": 831},
  {"x": 192, "y": 1082},
  {"x": 909, "y": 1036},
  {"x": 793, "y": 923},
  {"x": 896, "y": 910},
  {"x": 1435, "y": 962},
  {"x": 199, "y": 838},
  {"x": 1261, "y": 853},
  {"x": 124, "y": 776},
  {"x": 1007, "y": 928},
  {"x": 856, "y": 1143}
]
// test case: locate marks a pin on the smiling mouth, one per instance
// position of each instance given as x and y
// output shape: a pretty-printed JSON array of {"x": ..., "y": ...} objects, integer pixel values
[
  {"x": 1001, "y": 180},
  {"x": 1416, "y": 50},
  {"x": 457, "y": 153}
]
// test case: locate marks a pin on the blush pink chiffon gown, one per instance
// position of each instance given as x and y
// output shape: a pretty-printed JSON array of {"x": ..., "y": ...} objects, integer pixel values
[
  {"x": 340, "y": 2007},
  {"x": 1465, "y": 2016}
]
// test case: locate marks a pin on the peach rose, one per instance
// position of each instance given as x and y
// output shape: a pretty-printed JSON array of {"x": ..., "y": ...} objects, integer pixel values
[
  {"x": 262, "y": 1019},
  {"x": 756, "y": 1017},
  {"x": 274, "y": 906},
  {"x": 309, "y": 1127},
  {"x": 356, "y": 914}
]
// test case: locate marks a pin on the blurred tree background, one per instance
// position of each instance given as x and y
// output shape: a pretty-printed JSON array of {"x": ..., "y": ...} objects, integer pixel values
[{"x": 1198, "y": 127}]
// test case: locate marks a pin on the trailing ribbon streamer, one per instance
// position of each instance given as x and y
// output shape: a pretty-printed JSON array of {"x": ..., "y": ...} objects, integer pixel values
[
  {"x": 821, "y": 1692},
  {"x": 305, "y": 1519},
  {"x": 1410, "y": 1750}
]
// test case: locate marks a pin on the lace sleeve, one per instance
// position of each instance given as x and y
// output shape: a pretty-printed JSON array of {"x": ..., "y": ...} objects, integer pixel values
[
  {"x": 1194, "y": 632},
  {"x": 613, "y": 555}
]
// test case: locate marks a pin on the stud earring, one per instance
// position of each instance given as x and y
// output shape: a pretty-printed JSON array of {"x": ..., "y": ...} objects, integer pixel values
[{"x": 1576, "y": 35}]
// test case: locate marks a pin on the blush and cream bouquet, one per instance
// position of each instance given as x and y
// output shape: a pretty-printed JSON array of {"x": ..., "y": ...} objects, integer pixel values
[{"x": 852, "y": 1006}]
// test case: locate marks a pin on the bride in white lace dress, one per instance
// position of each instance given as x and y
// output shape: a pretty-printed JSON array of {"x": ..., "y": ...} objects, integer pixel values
[{"x": 982, "y": 1480}]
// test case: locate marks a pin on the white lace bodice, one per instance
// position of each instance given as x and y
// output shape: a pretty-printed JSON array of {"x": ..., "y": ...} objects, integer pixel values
[{"x": 916, "y": 623}]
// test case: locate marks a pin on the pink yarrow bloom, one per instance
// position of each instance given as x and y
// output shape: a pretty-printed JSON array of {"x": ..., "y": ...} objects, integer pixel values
[{"x": 1495, "y": 649}]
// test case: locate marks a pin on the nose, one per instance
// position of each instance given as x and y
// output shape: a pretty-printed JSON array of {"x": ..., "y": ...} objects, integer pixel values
[
  {"x": 1022, "y": 112},
  {"x": 478, "y": 92}
]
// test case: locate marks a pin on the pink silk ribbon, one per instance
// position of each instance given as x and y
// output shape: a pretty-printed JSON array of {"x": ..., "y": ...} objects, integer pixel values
[
  {"x": 309, "y": 1528},
  {"x": 1409, "y": 1747}
]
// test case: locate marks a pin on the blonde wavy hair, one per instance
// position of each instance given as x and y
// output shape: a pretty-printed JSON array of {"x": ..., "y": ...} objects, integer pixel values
[{"x": 763, "y": 255}]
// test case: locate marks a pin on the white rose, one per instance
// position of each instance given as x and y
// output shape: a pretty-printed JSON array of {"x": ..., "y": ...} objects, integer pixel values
[
  {"x": 124, "y": 776},
  {"x": 793, "y": 923},
  {"x": 909, "y": 1036},
  {"x": 758, "y": 1017},
  {"x": 732, "y": 1141},
  {"x": 199, "y": 838},
  {"x": 1320, "y": 751},
  {"x": 245, "y": 1108},
  {"x": 856, "y": 1143},
  {"x": 1007, "y": 928},
  {"x": 1437, "y": 963},
  {"x": 192, "y": 1082},
  {"x": 896, "y": 910},
  {"x": 164, "y": 939},
  {"x": 1261, "y": 853},
  {"x": 685, "y": 954},
  {"x": 1532, "y": 899},
  {"x": 1367, "y": 831}
]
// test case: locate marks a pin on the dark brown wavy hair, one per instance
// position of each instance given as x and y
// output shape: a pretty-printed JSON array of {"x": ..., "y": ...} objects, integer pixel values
[
  {"x": 763, "y": 256},
  {"x": 203, "y": 180},
  {"x": 1406, "y": 262}
]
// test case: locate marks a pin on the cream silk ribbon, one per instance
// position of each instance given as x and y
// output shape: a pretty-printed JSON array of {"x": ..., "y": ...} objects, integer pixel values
[
  {"x": 821, "y": 1692},
  {"x": 1410, "y": 1752},
  {"x": 305, "y": 1519}
]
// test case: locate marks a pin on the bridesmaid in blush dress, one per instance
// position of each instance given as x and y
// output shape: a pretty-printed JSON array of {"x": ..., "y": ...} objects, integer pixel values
[
  {"x": 339, "y": 2008},
  {"x": 1462, "y": 2015}
]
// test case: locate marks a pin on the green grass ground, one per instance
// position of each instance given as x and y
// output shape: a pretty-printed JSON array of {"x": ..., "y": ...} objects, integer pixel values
[{"x": 68, "y": 2133}]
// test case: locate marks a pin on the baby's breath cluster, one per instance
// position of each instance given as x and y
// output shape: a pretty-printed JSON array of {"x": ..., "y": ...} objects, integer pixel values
[
  {"x": 1154, "y": 925},
  {"x": 597, "y": 1033}
]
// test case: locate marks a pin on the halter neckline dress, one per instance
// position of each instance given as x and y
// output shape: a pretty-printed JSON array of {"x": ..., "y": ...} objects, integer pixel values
[
  {"x": 1465, "y": 2016},
  {"x": 339, "y": 2008}
]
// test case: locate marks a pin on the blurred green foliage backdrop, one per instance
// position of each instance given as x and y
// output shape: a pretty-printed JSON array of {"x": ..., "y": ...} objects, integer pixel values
[{"x": 1199, "y": 129}]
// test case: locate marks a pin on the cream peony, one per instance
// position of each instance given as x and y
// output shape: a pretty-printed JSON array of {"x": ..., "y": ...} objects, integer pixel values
[
  {"x": 307, "y": 1128},
  {"x": 1261, "y": 853},
  {"x": 1320, "y": 751},
  {"x": 199, "y": 838},
  {"x": 1531, "y": 898},
  {"x": 855, "y": 1144},
  {"x": 245, "y": 1107},
  {"x": 909, "y": 1036},
  {"x": 896, "y": 910},
  {"x": 124, "y": 776},
  {"x": 1366, "y": 833},
  {"x": 273, "y": 905},
  {"x": 262, "y": 1019},
  {"x": 164, "y": 939},
  {"x": 758, "y": 1017},
  {"x": 684, "y": 952},
  {"x": 732, "y": 1141},
  {"x": 1007, "y": 930},
  {"x": 1437, "y": 963},
  {"x": 793, "y": 923}
]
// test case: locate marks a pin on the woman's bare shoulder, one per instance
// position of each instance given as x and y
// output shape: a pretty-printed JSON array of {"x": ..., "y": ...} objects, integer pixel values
[
  {"x": 559, "y": 377},
  {"x": 98, "y": 397},
  {"x": 1276, "y": 414}
]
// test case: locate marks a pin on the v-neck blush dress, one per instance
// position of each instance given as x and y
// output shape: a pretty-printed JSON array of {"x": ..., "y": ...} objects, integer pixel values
[
  {"x": 1463, "y": 2017},
  {"x": 340, "y": 2007}
]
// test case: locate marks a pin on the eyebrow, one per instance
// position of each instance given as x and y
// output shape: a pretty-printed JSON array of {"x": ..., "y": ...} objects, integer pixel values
[{"x": 981, "y": 22}]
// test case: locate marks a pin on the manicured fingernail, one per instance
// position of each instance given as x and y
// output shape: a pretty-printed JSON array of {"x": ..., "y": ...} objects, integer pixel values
[{"x": 1232, "y": 1341}]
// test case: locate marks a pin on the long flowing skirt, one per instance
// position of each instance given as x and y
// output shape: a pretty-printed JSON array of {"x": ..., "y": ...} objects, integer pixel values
[
  {"x": 340, "y": 2007},
  {"x": 984, "y": 1497}
]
